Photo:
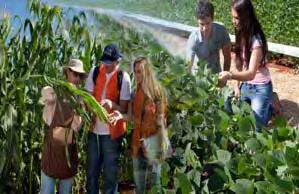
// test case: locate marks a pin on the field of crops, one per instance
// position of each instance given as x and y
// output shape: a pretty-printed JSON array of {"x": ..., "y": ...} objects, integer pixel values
[
  {"x": 202, "y": 133},
  {"x": 279, "y": 18}
]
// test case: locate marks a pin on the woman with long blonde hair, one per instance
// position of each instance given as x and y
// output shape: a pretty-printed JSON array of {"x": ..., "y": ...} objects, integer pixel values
[{"x": 148, "y": 108}]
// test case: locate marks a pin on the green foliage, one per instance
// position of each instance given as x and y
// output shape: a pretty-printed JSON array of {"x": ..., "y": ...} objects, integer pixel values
[
  {"x": 278, "y": 18},
  {"x": 88, "y": 99},
  {"x": 201, "y": 131},
  {"x": 47, "y": 44}
]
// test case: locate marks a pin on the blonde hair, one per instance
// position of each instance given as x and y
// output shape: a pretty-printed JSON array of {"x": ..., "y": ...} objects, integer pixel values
[{"x": 150, "y": 86}]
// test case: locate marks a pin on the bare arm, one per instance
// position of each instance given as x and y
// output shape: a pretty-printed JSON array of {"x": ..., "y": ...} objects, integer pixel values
[
  {"x": 48, "y": 97},
  {"x": 249, "y": 74},
  {"x": 245, "y": 74},
  {"x": 236, "y": 85},
  {"x": 190, "y": 53},
  {"x": 77, "y": 123}
]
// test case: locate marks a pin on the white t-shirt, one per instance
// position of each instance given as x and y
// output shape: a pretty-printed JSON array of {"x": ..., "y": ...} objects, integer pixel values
[{"x": 125, "y": 94}]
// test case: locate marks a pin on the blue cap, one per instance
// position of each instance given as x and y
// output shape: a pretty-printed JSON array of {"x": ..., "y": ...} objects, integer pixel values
[{"x": 111, "y": 54}]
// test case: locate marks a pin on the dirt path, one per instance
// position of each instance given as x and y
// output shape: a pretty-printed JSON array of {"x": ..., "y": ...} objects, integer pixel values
[
  {"x": 285, "y": 83},
  {"x": 287, "y": 87}
]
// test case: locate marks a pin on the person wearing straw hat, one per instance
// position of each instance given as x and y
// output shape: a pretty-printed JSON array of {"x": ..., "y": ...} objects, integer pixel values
[
  {"x": 112, "y": 88},
  {"x": 75, "y": 66},
  {"x": 59, "y": 156}
]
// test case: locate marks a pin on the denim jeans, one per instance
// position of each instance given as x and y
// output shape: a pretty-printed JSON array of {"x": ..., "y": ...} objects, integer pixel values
[
  {"x": 48, "y": 185},
  {"x": 260, "y": 98},
  {"x": 102, "y": 151},
  {"x": 141, "y": 165}
]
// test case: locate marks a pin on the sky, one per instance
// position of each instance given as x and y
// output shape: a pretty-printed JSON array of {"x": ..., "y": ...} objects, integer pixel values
[{"x": 16, "y": 7}]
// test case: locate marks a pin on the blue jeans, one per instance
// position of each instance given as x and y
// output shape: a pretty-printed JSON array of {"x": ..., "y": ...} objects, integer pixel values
[
  {"x": 140, "y": 165},
  {"x": 48, "y": 185},
  {"x": 102, "y": 150},
  {"x": 260, "y": 98}
]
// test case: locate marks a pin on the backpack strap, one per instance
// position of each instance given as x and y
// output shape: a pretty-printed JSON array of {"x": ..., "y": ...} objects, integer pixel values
[
  {"x": 120, "y": 75},
  {"x": 96, "y": 73}
]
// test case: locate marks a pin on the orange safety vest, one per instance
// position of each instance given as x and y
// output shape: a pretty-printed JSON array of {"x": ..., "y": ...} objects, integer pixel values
[{"x": 112, "y": 93}]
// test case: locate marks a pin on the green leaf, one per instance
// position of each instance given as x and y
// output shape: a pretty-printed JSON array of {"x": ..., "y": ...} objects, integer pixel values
[
  {"x": 164, "y": 174},
  {"x": 281, "y": 170},
  {"x": 265, "y": 140},
  {"x": 278, "y": 157},
  {"x": 88, "y": 99},
  {"x": 196, "y": 119},
  {"x": 201, "y": 93},
  {"x": 292, "y": 156},
  {"x": 261, "y": 160},
  {"x": 243, "y": 186},
  {"x": 177, "y": 70},
  {"x": 280, "y": 122},
  {"x": 264, "y": 187},
  {"x": 217, "y": 181},
  {"x": 241, "y": 166},
  {"x": 253, "y": 144},
  {"x": 194, "y": 176},
  {"x": 185, "y": 184},
  {"x": 236, "y": 109},
  {"x": 283, "y": 131},
  {"x": 245, "y": 124},
  {"x": 223, "y": 122},
  {"x": 294, "y": 171},
  {"x": 283, "y": 186},
  {"x": 223, "y": 156},
  {"x": 2, "y": 161},
  {"x": 190, "y": 157}
]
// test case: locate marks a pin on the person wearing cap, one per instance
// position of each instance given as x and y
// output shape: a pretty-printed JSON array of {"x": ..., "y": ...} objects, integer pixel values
[
  {"x": 59, "y": 156},
  {"x": 104, "y": 140},
  {"x": 205, "y": 42}
]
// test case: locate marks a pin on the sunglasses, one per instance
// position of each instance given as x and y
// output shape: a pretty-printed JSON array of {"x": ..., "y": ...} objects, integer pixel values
[{"x": 76, "y": 74}]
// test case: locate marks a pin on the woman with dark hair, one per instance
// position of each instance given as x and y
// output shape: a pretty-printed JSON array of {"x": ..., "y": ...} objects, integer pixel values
[{"x": 253, "y": 78}]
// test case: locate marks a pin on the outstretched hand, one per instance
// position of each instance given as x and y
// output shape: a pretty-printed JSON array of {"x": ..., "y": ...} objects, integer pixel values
[
  {"x": 114, "y": 117},
  {"x": 107, "y": 104},
  {"x": 223, "y": 77}
]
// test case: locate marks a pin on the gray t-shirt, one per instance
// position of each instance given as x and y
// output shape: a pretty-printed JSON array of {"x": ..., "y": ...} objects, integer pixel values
[{"x": 207, "y": 50}]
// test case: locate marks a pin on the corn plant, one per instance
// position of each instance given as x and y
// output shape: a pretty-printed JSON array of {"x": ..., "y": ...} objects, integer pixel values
[
  {"x": 202, "y": 132},
  {"x": 25, "y": 60}
]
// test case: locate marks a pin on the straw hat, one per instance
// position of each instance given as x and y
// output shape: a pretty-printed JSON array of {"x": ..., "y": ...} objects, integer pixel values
[{"x": 75, "y": 65}]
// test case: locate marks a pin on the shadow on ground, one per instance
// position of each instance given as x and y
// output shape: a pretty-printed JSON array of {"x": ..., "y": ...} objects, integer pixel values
[{"x": 290, "y": 111}]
